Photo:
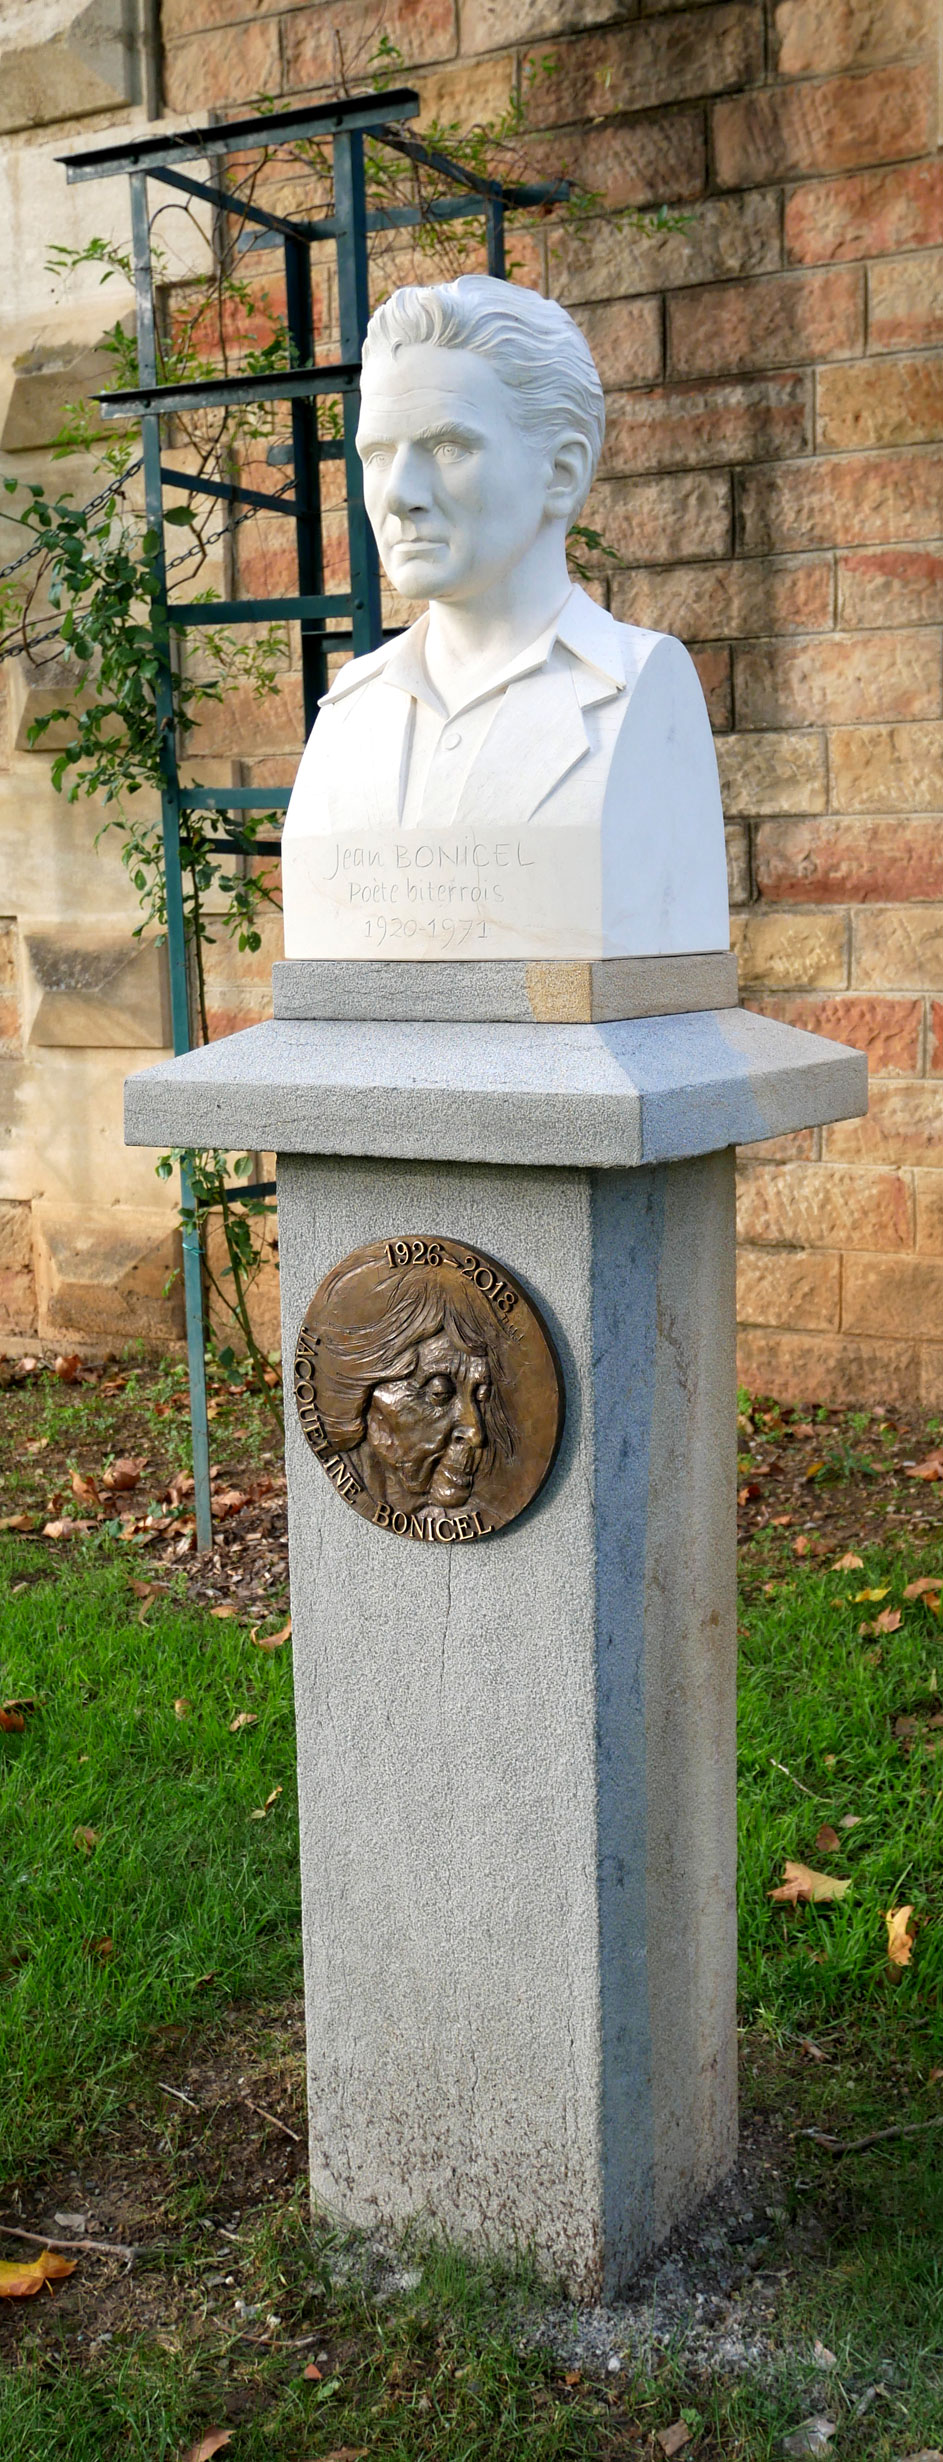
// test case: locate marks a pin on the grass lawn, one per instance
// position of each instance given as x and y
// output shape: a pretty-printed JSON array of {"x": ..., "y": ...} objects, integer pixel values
[
  {"x": 151, "y": 2048},
  {"x": 139, "y": 1884}
]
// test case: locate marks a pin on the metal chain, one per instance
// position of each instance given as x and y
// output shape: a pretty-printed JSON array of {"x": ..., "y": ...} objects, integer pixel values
[
  {"x": 37, "y": 641},
  {"x": 211, "y": 536},
  {"x": 92, "y": 506}
]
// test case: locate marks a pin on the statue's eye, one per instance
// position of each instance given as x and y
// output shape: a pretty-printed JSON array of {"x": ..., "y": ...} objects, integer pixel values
[{"x": 439, "y": 1389}]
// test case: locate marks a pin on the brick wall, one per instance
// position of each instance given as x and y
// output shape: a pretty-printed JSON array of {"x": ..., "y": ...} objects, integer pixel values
[{"x": 772, "y": 480}]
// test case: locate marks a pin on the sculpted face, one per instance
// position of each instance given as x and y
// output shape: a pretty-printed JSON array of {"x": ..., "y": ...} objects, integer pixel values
[
  {"x": 425, "y": 1434},
  {"x": 455, "y": 489}
]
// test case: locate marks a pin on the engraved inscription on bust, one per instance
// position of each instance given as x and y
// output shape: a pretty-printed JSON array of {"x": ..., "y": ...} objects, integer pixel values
[
  {"x": 518, "y": 774},
  {"x": 428, "y": 1387}
]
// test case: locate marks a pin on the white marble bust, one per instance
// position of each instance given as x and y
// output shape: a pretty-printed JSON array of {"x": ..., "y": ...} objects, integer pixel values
[{"x": 517, "y": 775}]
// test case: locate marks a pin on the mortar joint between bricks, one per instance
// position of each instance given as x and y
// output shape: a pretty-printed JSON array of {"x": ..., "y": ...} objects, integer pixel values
[{"x": 767, "y": 41}]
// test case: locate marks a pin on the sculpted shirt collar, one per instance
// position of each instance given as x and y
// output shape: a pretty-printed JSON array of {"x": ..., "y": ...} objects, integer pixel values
[{"x": 586, "y": 631}]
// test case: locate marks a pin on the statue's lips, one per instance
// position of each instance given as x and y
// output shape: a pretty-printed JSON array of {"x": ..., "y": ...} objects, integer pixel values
[{"x": 415, "y": 547}]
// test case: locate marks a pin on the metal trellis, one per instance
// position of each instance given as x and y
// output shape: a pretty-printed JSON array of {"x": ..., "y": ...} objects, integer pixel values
[{"x": 353, "y": 615}]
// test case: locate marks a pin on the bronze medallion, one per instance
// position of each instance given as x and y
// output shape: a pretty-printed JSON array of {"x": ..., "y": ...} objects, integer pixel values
[{"x": 429, "y": 1388}]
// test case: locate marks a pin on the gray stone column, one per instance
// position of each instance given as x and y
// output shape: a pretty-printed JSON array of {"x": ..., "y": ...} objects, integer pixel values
[{"x": 516, "y": 1761}]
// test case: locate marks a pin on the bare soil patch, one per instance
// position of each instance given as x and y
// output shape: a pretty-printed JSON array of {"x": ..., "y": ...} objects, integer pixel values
[{"x": 213, "y": 2130}]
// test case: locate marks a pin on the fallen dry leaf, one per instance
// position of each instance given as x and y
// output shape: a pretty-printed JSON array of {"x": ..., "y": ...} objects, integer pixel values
[
  {"x": 671, "y": 2439},
  {"x": 267, "y": 1806},
  {"x": 887, "y": 1622},
  {"x": 18, "y": 1521},
  {"x": 314, "y": 2372},
  {"x": 857, "y": 1595},
  {"x": 211, "y": 2443},
  {"x": 12, "y": 1722},
  {"x": 803, "y": 1887},
  {"x": 926, "y": 1583},
  {"x": 827, "y": 1840},
  {"x": 84, "y": 1489},
  {"x": 227, "y": 1610},
  {"x": 849, "y": 1564},
  {"x": 181, "y": 1707},
  {"x": 84, "y": 1838},
  {"x": 812, "y": 2436},
  {"x": 228, "y": 1500},
  {"x": 910, "y": 1730},
  {"x": 22, "y": 2278},
  {"x": 271, "y": 1641},
  {"x": 66, "y": 1369},
  {"x": 123, "y": 1475},
  {"x": 900, "y": 1940},
  {"x": 103, "y": 1949},
  {"x": 850, "y": 1820},
  {"x": 244, "y": 1718},
  {"x": 801, "y": 1545},
  {"x": 344, "y": 2453},
  {"x": 928, "y": 2453},
  {"x": 930, "y": 1468}
]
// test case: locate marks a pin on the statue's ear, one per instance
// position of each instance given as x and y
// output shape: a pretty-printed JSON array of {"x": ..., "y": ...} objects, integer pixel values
[{"x": 571, "y": 474}]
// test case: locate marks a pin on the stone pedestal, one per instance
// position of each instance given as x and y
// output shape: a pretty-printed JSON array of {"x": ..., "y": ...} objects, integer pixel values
[{"x": 516, "y": 1759}]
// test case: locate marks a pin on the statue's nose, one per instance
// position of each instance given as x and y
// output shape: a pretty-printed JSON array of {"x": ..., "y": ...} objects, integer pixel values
[
  {"x": 407, "y": 489},
  {"x": 467, "y": 1421}
]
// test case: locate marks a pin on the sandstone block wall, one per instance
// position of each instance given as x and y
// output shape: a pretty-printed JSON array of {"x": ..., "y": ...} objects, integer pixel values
[
  {"x": 772, "y": 489},
  {"x": 88, "y": 1243}
]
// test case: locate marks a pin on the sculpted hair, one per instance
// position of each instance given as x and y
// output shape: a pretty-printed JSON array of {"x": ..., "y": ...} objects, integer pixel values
[
  {"x": 422, "y": 1301},
  {"x": 533, "y": 345}
]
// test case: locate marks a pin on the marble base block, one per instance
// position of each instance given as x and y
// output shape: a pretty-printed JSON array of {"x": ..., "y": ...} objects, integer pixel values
[
  {"x": 570, "y": 891},
  {"x": 516, "y": 1761},
  {"x": 506, "y": 992}
]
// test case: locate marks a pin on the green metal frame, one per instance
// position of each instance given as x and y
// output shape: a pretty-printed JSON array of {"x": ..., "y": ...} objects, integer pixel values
[{"x": 345, "y": 125}]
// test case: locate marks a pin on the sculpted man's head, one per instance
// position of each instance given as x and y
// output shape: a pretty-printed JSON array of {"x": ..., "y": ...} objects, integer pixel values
[
  {"x": 416, "y": 1398},
  {"x": 481, "y": 426}
]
